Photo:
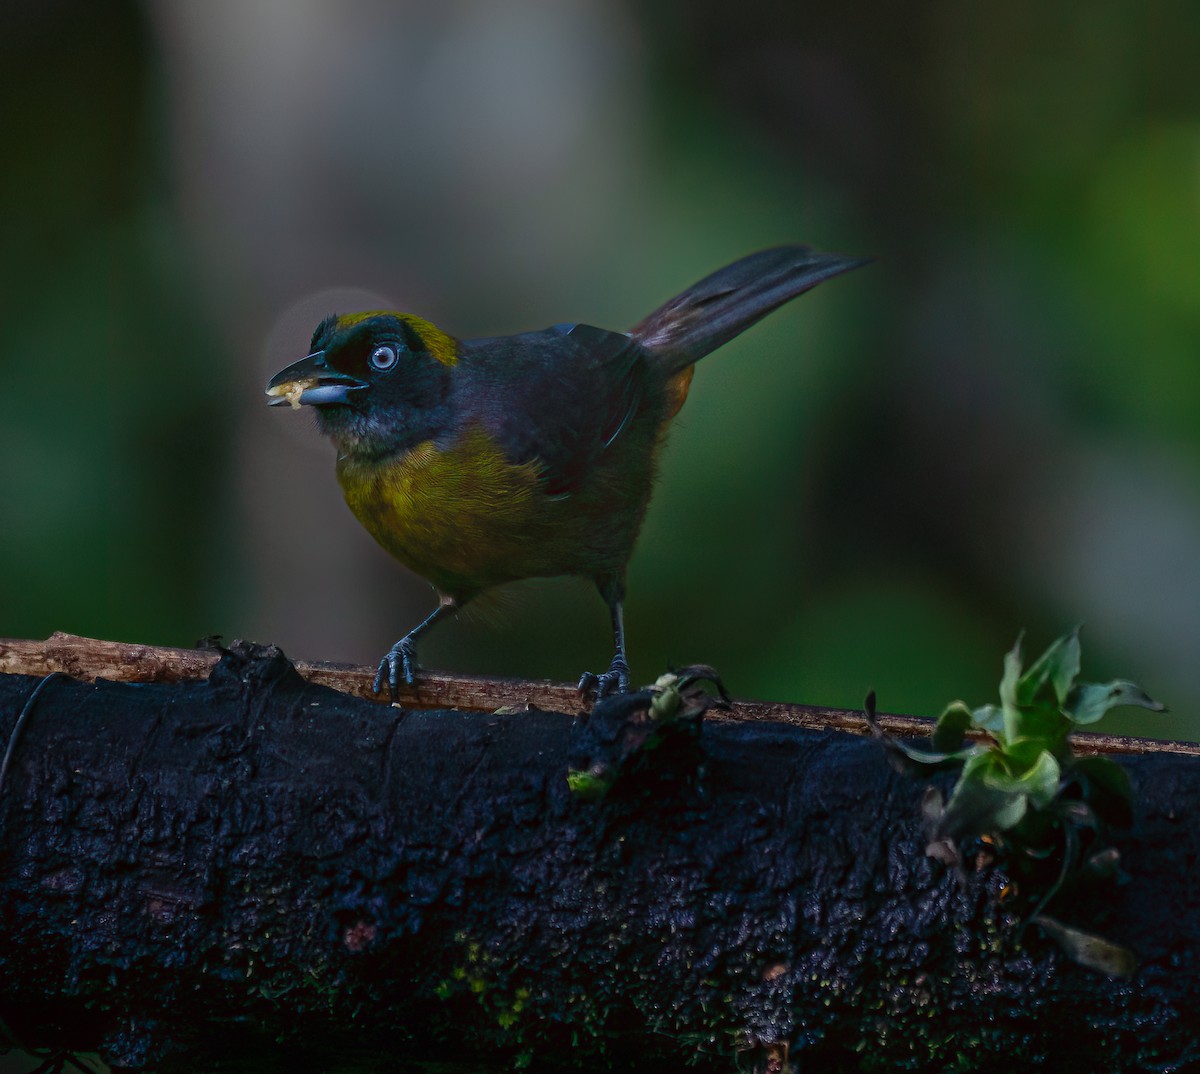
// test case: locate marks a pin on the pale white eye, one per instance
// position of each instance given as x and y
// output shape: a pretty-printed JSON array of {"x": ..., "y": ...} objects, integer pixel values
[{"x": 383, "y": 358}]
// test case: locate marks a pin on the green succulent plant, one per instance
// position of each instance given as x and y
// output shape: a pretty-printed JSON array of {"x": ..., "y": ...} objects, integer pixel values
[{"x": 1024, "y": 793}]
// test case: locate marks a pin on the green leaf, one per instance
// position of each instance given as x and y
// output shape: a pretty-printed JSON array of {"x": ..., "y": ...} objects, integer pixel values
[
  {"x": 1088, "y": 949},
  {"x": 1038, "y": 782},
  {"x": 1020, "y": 756},
  {"x": 951, "y": 727},
  {"x": 1057, "y": 667},
  {"x": 930, "y": 761},
  {"x": 1042, "y": 780},
  {"x": 1012, "y": 672},
  {"x": 1105, "y": 773},
  {"x": 989, "y": 718},
  {"x": 977, "y": 806},
  {"x": 1041, "y": 721},
  {"x": 906, "y": 757},
  {"x": 977, "y": 767},
  {"x": 1008, "y": 688},
  {"x": 588, "y": 786},
  {"x": 1091, "y": 700},
  {"x": 1008, "y": 812},
  {"x": 976, "y": 809}
]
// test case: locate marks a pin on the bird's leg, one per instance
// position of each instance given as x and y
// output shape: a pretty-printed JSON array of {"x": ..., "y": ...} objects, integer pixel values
[
  {"x": 616, "y": 679},
  {"x": 401, "y": 658}
]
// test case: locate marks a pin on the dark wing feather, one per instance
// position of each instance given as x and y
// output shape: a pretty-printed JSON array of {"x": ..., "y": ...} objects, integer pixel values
[{"x": 559, "y": 397}]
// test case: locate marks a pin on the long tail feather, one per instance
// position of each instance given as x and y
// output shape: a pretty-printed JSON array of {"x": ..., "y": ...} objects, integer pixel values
[{"x": 725, "y": 304}]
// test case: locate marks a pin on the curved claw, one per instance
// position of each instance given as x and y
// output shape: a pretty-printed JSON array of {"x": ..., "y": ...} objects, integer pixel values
[
  {"x": 613, "y": 681},
  {"x": 399, "y": 660}
]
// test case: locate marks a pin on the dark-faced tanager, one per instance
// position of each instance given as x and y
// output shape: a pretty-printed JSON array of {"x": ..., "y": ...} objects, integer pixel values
[{"x": 483, "y": 461}]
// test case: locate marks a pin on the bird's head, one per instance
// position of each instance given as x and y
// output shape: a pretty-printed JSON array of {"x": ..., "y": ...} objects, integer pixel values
[{"x": 379, "y": 381}]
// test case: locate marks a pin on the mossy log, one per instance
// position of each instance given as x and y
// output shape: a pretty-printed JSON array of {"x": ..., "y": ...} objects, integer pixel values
[{"x": 253, "y": 864}]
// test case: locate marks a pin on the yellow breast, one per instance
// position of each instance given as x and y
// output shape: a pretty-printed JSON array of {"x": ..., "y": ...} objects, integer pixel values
[{"x": 465, "y": 517}]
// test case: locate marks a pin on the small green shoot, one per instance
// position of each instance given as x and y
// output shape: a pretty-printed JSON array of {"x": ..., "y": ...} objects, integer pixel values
[
  {"x": 1022, "y": 789},
  {"x": 623, "y": 729}
]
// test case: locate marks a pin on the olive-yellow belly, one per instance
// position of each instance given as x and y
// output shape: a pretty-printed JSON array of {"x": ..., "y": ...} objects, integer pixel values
[{"x": 464, "y": 518}]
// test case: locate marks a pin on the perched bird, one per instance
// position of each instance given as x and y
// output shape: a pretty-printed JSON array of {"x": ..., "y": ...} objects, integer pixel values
[{"x": 483, "y": 461}]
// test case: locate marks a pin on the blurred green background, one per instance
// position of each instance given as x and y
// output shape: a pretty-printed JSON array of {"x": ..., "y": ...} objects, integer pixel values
[{"x": 992, "y": 428}]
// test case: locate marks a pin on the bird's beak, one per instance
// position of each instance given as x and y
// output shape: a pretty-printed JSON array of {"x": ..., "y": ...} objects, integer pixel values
[{"x": 310, "y": 382}]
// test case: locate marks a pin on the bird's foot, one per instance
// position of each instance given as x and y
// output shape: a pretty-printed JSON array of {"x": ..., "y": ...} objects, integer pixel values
[
  {"x": 400, "y": 661},
  {"x": 613, "y": 681},
  {"x": 621, "y": 732}
]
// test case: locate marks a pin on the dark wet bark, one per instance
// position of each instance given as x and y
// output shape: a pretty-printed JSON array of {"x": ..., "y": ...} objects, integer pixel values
[{"x": 213, "y": 866}]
